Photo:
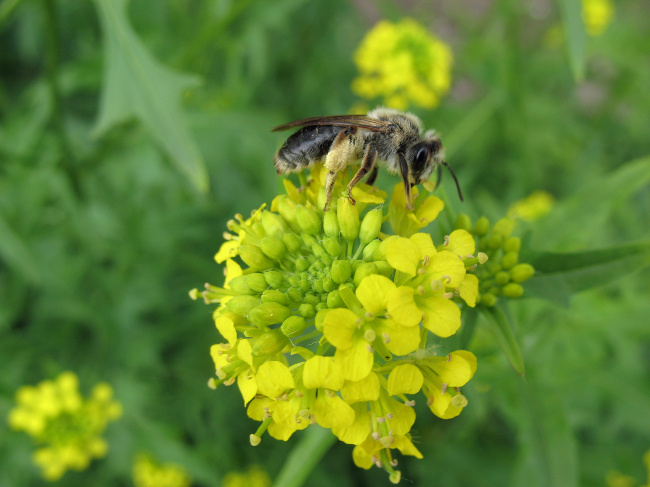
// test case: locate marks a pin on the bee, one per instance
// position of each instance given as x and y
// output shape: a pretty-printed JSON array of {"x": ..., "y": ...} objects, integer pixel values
[{"x": 383, "y": 137}]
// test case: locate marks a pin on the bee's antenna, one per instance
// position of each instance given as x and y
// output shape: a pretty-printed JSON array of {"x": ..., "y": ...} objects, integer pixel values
[{"x": 460, "y": 193}]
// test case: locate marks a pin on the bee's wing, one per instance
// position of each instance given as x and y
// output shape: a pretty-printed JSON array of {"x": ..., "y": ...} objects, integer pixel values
[{"x": 361, "y": 121}]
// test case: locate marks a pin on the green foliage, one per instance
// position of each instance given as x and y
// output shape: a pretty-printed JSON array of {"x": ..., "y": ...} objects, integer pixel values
[{"x": 118, "y": 172}]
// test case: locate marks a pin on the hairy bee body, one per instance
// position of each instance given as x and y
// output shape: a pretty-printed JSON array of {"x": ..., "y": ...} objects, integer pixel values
[{"x": 391, "y": 138}]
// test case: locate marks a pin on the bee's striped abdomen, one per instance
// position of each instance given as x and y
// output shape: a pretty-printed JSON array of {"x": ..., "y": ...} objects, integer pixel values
[{"x": 306, "y": 147}]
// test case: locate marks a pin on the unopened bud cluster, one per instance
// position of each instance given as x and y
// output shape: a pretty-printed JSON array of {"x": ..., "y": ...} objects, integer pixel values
[{"x": 502, "y": 274}]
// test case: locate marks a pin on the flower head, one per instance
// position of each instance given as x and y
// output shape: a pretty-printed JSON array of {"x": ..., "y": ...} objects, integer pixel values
[
  {"x": 325, "y": 318},
  {"x": 148, "y": 472},
  {"x": 67, "y": 427},
  {"x": 403, "y": 64},
  {"x": 597, "y": 15}
]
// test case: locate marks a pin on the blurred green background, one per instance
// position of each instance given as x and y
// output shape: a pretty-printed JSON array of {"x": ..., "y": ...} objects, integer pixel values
[{"x": 130, "y": 134}]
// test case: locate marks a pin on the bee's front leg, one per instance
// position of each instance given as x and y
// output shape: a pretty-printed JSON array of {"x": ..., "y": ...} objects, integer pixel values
[
  {"x": 404, "y": 171},
  {"x": 367, "y": 164},
  {"x": 338, "y": 159}
]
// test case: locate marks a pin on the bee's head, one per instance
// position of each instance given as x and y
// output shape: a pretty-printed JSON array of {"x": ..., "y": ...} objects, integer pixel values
[{"x": 423, "y": 157}]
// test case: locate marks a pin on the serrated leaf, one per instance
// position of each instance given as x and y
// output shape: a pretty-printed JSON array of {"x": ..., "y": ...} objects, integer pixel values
[
  {"x": 138, "y": 86},
  {"x": 499, "y": 324},
  {"x": 575, "y": 34},
  {"x": 560, "y": 275}
]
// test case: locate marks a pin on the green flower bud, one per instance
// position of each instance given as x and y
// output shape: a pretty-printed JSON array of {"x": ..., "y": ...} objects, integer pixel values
[
  {"x": 311, "y": 298},
  {"x": 510, "y": 259},
  {"x": 274, "y": 296},
  {"x": 365, "y": 270},
  {"x": 308, "y": 220},
  {"x": 294, "y": 280},
  {"x": 295, "y": 294},
  {"x": 269, "y": 343},
  {"x": 326, "y": 260},
  {"x": 332, "y": 245},
  {"x": 268, "y": 314},
  {"x": 494, "y": 241},
  {"x": 341, "y": 271},
  {"x": 513, "y": 290},
  {"x": 318, "y": 320},
  {"x": 274, "y": 279},
  {"x": 348, "y": 217},
  {"x": 253, "y": 256},
  {"x": 293, "y": 326},
  {"x": 463, "y": 222},
  {"x": 287, "y": 208},
  {"x": 384, "y": 268},
  {"x": 308, "y": 239},
  {"x": 318, "y": 250},
  {"x": 317, "y": 286},
  {"x": 331, "y": 224},
  {"x": 371, "y": 226},
  {"x": 320, "y": 307},
  {"x": 370, "y": 249},
  {"x": 328, "y": 285},
  {"x": 256, "y": 282},
  {"x": 482, "y": 226},
  {"x": 307, "y": 310},
  {"x": 502, "y": 278},
  {"x": 292, "y": 241},
  {"x": 493, "y": 267},
  {"x": 488, "y": 299},
  {"x": 512, "y": 244},
  {"x": 273, "y": 247},
  {"x": 274, "y": 225},
  {"x": 503, "y": 227},
  {"x": 305, "y": 285},
  {"x": 238, "y": 284},
  {"x": 302, "y": 264},
  {"x": 334, "y": 300},
  {"x": 242, "y": 305},
  {"x": 521, "y": 272}
]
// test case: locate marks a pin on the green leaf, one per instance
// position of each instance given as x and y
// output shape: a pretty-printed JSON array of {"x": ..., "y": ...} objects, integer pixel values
[
  {"x": 136, "y": 85},
  {"x": 576, "y": 220},
  {"x": 499, "y": 324},
  {"x": 575, "y": 34},
  {"x": 16, "y": 254},
  {"x": 305, "y": 455},
  {"x": 560, "y": 275}
]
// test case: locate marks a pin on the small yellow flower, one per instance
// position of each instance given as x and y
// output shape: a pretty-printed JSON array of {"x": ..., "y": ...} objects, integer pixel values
[
  {"x": 403, "y": 64},
  {"x": 597, "y": 15},
  {"x": 532, "y": 207},
  {"x": 254, "y": 476},
  {"x": 68, "y": 426},
  {"x": 149, "y": 473}
]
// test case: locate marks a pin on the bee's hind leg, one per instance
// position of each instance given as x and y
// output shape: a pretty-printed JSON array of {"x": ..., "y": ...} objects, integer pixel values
[
  {"x": 367, "y": 165},
  {"x": 404, "y": 171},
  {"x": 338, "y": 159},
  {"x": 372, "y": 177}
]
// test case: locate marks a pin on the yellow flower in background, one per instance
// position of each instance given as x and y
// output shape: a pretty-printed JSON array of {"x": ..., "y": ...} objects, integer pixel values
[
  {"x": 617, "y": 479},
  {"x": 533, "y": 207},
  {"x": 67, "y": 427},
  {"x": 597, "y": 15},
  {"x": 147, "y": 472},
  {"x": 402, "y": 64},
  {"x": 254, "y": 476}
]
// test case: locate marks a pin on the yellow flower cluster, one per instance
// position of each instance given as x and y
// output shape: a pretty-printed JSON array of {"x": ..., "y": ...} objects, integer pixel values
[
  {"x": 597, "y": 15},
  {"x": 533, "y": 207},
  {"x": 69, "y": 426},
  {"x": 255, "y": 476},
  {"x": 326, "y": 318},
  {"x": 149, "y": 473},
  {"x": 617, "y": 479},
  {"x": 503, "y": 274},
  {"x": 403, "y": 64}
]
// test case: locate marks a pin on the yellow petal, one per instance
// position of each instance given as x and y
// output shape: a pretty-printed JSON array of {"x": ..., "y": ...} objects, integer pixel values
[
  {"x": 331, "y": 411},
  {"x": 456, "y": 369},
  {"x": 441, "y": 316},
  {"x": 359, "y": 430},
  {"x": 469, "y": 289},
  {"x": 233, "y": 269},
  {"x": 404, "y": 255},
  {"x": 247, "y": 387},
  {"x": 376, "y": 197},
  {"x": 227, "y": 250},
  {"x": 373, "y": 293},
  {"x": 447, "y": 267},
  {"x": 402, "y": 307},
  {"x": 322, "y": 372},
  {"x": 356, "y": 361},
  {"x": 273, "y": 379},
  {"x": 399, "y": 339},
  {"x": 366, "y": 389},
  {"x": 461, "y": 243},
  {"x": 424, "y": 243},
  {"x": 258, "y": 407},
  {"x": 339, "y": 326},
  {"x": 405, "y": 379},
  {"x": 245, "y": 351},
  {"x": 292, "y": 191},
  {"x": 227, "y": 329},
  {"x": 429, "y": 209}
]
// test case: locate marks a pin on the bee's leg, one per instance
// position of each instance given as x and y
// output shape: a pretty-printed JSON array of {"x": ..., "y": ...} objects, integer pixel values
[
  {"x": 404, "y": 171},
  {"x": 367, "y": 164},
  {"x": 373, "y": 176},
  {"x": 338, "y": 159}
]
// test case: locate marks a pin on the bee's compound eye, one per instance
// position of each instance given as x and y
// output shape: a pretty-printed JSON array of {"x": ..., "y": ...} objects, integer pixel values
[{"x": 421, "y": 157}]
